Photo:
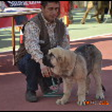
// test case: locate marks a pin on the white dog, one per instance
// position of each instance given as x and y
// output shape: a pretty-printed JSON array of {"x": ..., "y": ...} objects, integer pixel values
[{"x": 76, "y": 66}]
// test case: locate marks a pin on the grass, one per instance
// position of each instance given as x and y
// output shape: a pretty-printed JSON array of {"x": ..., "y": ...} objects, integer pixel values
[
  {"x": 76, "y": 30},
  {"x": 82, "y": 31},
  {"x": 6, "y": 39},
  {"x": 91, "y": 28}
]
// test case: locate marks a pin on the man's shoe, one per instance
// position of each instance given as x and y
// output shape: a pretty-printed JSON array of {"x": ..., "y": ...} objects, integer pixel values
[{"x": 31, "y": 96}]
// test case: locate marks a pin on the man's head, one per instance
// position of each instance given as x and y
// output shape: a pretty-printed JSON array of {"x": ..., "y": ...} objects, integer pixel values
[{"x": 50, "y": 10}]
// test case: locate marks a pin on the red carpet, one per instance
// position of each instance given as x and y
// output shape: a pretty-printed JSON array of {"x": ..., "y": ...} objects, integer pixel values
[{"x": 13, "y": 84}]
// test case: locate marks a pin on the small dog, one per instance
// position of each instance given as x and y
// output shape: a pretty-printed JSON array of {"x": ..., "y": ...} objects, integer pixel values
[{"x": 76, "y": 66}]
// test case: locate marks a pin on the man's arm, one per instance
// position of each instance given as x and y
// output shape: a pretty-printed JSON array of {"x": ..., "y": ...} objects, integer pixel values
[
  {"x": 66, "y": 40},
  {"x": 32, "y": 46}
]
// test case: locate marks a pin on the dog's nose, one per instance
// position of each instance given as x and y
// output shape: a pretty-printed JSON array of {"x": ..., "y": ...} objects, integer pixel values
[
  {"x": 47, "y": 62},
  {"x": 44, "y": 60}
]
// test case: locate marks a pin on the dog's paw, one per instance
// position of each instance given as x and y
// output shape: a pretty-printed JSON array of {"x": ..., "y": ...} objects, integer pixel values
[
  {"x": 87, "y": 92},
  {"x": 100, "y": 96},
  {"x": 61, "y": 102},
  {"x": 81, "y": 103}
]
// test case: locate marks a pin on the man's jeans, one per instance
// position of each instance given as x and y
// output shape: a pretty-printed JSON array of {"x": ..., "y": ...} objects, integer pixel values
[{"x": 32, "y": 71}]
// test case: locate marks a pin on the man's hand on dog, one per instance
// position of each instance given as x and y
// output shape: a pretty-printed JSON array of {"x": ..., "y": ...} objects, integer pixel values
[{"x": 46, "y": 72}]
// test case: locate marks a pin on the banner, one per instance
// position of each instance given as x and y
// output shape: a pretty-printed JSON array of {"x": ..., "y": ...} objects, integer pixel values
[
  {"x": 7, "y": 22},
  {"x": 30, "y": 4}
]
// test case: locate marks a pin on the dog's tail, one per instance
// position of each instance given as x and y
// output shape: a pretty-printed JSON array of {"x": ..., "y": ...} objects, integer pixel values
[{"x": 103, "y": 88}]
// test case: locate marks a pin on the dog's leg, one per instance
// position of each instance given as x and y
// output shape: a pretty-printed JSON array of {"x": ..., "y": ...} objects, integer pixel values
[
  {"x": 99, "y": 90},
  {"x": 97, "y": 16},
  {"x": 68, "y": 84},
  {"x": 89, "y": 8},
  {"x": 102, "y": 15},
  {"x": 81, "y": 91},
  {"x": 88, "y": 81},
  {"x": 111, "y": 13},
  {"x": 85, "y": 16}
]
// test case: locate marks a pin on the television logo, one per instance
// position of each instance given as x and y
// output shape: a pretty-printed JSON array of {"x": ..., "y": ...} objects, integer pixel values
[{"x": 92, "y": 102}]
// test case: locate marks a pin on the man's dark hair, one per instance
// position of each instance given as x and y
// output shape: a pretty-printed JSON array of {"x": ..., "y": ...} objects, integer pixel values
[{"x": 44, "y": 3}]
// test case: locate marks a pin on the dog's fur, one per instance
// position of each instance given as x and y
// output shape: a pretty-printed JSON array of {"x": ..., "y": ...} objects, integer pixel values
[{"x": 76, "y": 66}]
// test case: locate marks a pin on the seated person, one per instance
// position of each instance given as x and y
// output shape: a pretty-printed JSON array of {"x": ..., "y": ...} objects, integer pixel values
[{"x": 41, "y": 33}]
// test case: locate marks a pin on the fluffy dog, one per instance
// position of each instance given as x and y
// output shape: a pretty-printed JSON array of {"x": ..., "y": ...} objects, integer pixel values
[{"x": 76, "y": 66}]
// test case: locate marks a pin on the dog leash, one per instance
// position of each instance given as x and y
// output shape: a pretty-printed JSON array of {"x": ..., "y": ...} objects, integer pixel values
[{"x": 54, "y": 86}]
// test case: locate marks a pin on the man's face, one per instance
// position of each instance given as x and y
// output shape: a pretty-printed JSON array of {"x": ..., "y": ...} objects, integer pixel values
[{"x": 51, "y": 11}]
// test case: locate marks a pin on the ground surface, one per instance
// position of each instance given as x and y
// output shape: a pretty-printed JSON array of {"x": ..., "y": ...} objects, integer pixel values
[{"x": 12, "y": 83}]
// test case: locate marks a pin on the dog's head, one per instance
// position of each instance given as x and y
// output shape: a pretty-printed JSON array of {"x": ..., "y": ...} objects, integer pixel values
[
  {"x": 59, "y": 60},
  {"x": 54, "y": 57}
]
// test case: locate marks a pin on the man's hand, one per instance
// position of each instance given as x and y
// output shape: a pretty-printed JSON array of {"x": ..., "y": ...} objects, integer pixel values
[{"x": 46, "y": 72}]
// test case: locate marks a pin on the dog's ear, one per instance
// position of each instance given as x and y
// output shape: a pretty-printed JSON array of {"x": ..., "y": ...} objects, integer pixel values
[
  {"x": 59, "y": 59},
  {"x": 62, "y": 60}
]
